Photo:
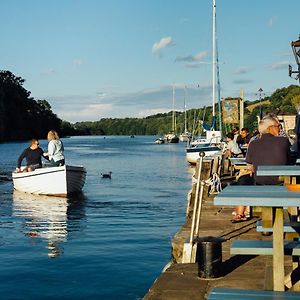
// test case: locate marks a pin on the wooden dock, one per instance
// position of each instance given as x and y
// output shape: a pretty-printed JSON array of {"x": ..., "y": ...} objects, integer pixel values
[{"x": 181, "y": 281}]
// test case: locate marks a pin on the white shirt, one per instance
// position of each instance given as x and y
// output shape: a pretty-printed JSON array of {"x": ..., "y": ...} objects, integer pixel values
[{"x": 233, "y": 147}]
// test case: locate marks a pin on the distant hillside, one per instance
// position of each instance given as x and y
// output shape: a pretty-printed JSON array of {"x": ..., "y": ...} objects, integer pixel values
[
  {"x": 257, "y": 104},
  {"x": 22, "y": 117}
]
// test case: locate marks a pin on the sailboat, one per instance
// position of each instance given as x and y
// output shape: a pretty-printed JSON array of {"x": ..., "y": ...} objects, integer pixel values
[
  {"x": 172, "y": 137},
  {"x": 185, "y": 136},
  {"x": 212, "y": 145}
]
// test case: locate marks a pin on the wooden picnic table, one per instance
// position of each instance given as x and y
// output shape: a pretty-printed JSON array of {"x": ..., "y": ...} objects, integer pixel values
[
  {"x": 276, "y": 197},
  {"x": 279, "y": 170},
  {"x": 237, "y": 163},
  {"x": 289, "y": 173}
]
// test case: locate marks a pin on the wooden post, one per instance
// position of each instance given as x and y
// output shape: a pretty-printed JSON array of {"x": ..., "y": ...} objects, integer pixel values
[
  {"x": 278, "y": 251},
  {"x": 241, "y": 108}
]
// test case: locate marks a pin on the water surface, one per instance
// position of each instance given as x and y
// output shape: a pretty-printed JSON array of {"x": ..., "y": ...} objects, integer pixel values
[{"x": 112, "y": 241}]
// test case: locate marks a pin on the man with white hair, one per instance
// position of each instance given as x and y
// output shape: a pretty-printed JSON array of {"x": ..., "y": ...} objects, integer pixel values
[{"x": 269, "y": 149}]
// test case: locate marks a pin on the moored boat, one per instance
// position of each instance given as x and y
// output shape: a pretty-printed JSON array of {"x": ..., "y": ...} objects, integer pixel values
[
  {"x": 171, "y": 138},
  {"x": 159, "y": 141},
  {"x": 51, "y": 181},
  {"x": 192, "y": 153}
]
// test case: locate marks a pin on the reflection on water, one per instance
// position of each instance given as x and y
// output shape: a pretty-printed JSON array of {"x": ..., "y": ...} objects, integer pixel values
[{"x": 47, "y": 217}]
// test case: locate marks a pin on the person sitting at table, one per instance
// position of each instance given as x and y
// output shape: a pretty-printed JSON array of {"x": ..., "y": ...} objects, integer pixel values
[
  {"x": 269, "y": 149},
  {"x": 233, "y": 150},
  {"x": 235, "y": 132},
  {"x": 244, "y": 137}
]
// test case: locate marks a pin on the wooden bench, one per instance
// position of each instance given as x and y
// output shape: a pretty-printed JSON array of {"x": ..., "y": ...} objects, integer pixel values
[
  {"x": 288, "y": 227},
  {"x": 261, "y": 247},
  {"x": 237, "y": 294}
]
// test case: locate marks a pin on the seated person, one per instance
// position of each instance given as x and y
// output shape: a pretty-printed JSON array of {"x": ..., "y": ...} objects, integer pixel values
[
  {"x": 269, "y": 149},
  {"x": 33, "y": 155},
  {"x": 235, "y": 132},
  {"x": 233, "y": 150},
  {"x": 244, "y": 137},
  {"x": 55, "y": 149}
]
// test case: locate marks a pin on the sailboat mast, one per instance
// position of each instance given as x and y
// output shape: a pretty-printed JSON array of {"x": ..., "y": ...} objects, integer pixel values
[
  {"x": 185, "y": 129},
  {"x": 173, "y": 114},
  {"x": 214, "y": 58}
]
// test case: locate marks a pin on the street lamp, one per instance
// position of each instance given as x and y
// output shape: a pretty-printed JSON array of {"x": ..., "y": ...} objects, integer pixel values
[
  {"x": 260, "y": 93},
  {"x": 296, "y": 51}
]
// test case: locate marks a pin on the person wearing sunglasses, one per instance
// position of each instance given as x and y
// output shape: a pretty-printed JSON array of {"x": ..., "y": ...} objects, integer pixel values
[
  {"x": 269, "y": 149},
  {"x": 33, "y": 155}
]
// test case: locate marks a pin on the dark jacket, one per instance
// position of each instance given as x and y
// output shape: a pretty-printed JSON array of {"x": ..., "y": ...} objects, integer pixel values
[{"x": 268, "y": 150}]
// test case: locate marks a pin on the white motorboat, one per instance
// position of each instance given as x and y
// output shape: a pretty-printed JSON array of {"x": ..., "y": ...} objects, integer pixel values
[
  {"x": 51, "y": 181},
  {"x": 171, "y": 138},
  {"x": 185, "y": 137},
  {"x": 211, "y": 146},
  {"x": 159, "y": 141},
  {"x": 192, "y": 154}
]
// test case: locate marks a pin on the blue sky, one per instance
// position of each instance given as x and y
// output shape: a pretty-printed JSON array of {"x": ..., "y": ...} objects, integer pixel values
[{"x": 92, "y": 59}]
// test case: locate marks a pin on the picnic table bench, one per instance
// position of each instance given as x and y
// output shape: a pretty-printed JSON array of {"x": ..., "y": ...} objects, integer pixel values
[
  {"x": 237, "y": 163},
  {"x": 275, "y": 197},
  {"x": 237, "y": 294}
]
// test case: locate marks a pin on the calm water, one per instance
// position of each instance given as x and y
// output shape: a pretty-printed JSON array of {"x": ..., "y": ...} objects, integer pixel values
[{"x": 109, "y": 243}]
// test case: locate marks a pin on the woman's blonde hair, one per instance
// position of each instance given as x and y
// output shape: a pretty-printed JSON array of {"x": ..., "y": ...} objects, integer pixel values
[{"x": 52, "y": 135}]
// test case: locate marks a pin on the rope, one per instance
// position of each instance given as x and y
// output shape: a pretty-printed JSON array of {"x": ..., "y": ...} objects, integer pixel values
[{"x": 215, "y": 184}]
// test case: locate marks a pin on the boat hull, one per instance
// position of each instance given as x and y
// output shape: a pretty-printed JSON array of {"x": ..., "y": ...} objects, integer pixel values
[
  {"x": 192, "y": 154},
  {"x": 52, "y": 181}
]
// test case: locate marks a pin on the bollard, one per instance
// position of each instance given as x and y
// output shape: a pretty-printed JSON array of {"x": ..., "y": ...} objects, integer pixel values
[{"x": 209, "y": 256}]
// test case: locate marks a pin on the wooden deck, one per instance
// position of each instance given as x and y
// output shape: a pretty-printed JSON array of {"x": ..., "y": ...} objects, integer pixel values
[{"x": 181, "y": 281}]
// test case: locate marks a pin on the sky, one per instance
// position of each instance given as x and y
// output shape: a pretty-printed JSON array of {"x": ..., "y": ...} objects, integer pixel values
[{"x": 93, "y": 59}]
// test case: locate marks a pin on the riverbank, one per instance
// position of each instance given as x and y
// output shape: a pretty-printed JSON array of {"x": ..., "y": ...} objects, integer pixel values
[{"x": 181, "y": 281}]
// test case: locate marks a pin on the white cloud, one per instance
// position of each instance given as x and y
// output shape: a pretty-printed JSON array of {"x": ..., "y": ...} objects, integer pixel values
[
  {"x": 48, "y": 72},
  {"x": 153, "y": 111},
  {"x": 193, "y": 61},
  {"x": 88, "y": 113},
  {"x": 280, "y": 65},
  {"x": 271, "y": 21},
  {"x": 77, "y": 62},
  {"x": 163, "y": 43},
  {"x": 243, "y": 70},
  {"x": 142, "y": 103}
]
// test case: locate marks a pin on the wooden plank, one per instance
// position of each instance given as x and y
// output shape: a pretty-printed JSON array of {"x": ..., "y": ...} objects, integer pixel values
[
  {"x": 250, "y": 197},
  {"x": 267, "y": 216},
  {"x": 287, "y": 227},
  {"x": 278, "y": 170},
  {"x": 254, "y": 188},
  {"x": 278, "y": 252},
  {"x": 262, "y": 247},
  {"x": 224, "y": 293}
]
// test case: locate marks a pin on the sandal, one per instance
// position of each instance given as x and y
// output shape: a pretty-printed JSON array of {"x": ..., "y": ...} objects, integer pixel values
[{"x": 239, "y": 218}]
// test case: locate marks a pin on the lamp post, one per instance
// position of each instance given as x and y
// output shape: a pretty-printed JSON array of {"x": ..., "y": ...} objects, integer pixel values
[
  {"x": 260, "y": 93},
  {"x": 296, "y": 51}
]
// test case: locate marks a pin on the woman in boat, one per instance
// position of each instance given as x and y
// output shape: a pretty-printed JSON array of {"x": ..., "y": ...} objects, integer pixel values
[
  {"x": 55, "y": 149},
  {"x": 33, "y": 155}
]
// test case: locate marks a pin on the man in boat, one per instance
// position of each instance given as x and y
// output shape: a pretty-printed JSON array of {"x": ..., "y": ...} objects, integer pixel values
[{"x": 33, "y": 155}]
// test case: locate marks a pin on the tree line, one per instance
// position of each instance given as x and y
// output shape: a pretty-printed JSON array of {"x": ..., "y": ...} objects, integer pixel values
[
  {"x": 283, "y": 101},
  {"x": 22, "y": 117}
]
